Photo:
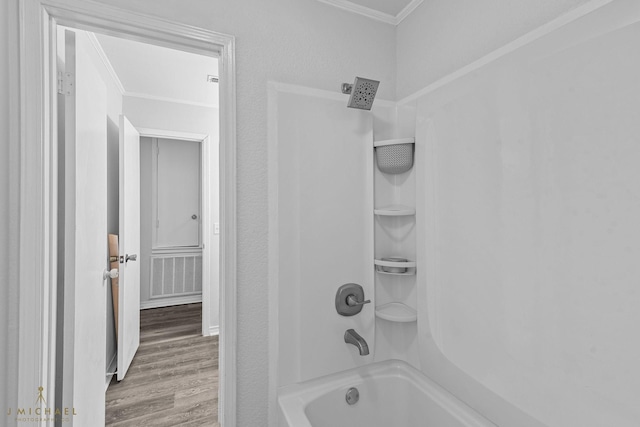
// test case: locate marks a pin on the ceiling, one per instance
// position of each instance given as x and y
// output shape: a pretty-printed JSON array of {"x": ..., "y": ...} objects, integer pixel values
[
  {"x": 389, "y": 11},
  {"x": 154, "y": 72}
]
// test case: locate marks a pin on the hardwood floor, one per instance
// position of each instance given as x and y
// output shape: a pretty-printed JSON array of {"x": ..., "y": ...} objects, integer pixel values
[{"x": 173, "y": 379}]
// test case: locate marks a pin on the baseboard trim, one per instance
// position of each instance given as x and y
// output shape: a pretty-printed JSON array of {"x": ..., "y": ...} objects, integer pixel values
[
  {"x": 169, "y": 301},
  {"x": 111, "y": 370},
  {"x": 214, "y": 330}
]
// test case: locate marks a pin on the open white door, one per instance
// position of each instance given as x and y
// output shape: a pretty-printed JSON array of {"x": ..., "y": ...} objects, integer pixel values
[
  {"x": 85, "y": 253},
  {"x": 129, "y": 283}
]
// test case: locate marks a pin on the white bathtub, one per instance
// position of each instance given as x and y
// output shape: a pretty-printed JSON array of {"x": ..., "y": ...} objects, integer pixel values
[{"x": 392, "y": 394}]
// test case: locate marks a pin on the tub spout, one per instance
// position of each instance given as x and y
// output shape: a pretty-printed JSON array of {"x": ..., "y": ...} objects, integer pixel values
[{"x": 352, "y": 337}]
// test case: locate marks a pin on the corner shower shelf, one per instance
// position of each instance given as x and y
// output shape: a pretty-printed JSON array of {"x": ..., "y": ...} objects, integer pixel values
[
  {"x": 409, "y": 265},
  {"x": 409, "y": 272},
  {"x": 396, "y": 312},
  {"x": 395, "y": 210},
  {"x": 394, "y": 142}
]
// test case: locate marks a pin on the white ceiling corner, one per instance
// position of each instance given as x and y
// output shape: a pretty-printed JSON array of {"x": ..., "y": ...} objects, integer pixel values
[
  {"x": 389, "y": 11},
  {"x": 152, "y": 72},
  {"x": 105, "y": 61},
  {"x": 407, "y": 10}
]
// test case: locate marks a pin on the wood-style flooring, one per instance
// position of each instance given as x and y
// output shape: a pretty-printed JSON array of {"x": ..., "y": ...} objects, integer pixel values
[{"x": 173, "y": 379}]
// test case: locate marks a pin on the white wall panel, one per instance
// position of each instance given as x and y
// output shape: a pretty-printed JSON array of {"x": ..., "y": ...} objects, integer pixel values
[
  {"x": 530, "y": 231},
  {"x": 325, "y": 212}
]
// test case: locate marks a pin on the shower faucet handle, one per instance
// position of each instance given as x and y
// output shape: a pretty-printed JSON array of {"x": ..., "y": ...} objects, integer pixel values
[{"x": 352, "y": 301}]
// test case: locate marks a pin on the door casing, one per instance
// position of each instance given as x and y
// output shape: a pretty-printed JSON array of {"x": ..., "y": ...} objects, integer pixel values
[{"x": 38, "y": 177}]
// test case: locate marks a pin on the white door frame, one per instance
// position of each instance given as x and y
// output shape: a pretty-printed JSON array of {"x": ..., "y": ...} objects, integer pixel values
[
  {"x": 208, "y": 160},
  {"x": 37, "y": 170}
]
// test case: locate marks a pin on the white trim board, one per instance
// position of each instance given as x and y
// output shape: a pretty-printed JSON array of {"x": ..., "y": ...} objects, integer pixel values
[
  {"x": 373, "y": 13},
  {"x": 37, "y": 172},
  {"x": 169, "y": 301}
]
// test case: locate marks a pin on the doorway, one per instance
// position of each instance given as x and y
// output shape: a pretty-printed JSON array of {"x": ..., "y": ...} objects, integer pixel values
[
  {"x": 170, "y": 226},
  {"x": 106, "y": 85},
  {"x": 39, "y": 190}
]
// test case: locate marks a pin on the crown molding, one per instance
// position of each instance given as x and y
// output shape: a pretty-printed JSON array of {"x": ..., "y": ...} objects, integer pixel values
[
  {"x": 510, "y": 47},
  {"x": 407, "y": 10},
  {"x": 167, "y": 99},
  {"x": 372, "y": 13}
]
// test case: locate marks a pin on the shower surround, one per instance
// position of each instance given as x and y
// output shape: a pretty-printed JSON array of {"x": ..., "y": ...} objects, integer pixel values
[{"x": 525, "y": 190}]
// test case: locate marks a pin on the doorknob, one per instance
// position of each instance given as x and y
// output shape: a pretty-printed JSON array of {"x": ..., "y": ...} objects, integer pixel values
[
  {"x": 113, "y": 273},
  {"x": 194, "y": 216},
  {"x": 128, "y": 257}
]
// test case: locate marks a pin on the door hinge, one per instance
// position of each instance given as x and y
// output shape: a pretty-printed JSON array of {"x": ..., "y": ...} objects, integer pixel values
[
  {"x": 65, "y": 83},
  {"x": 59, "y": 81}
]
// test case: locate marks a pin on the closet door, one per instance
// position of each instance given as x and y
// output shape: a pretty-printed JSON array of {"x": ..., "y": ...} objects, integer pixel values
[{"x": 178, "y": 194}]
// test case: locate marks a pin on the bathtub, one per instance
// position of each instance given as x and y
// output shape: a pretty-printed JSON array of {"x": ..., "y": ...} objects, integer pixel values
[{"x": 391, "y": 394}]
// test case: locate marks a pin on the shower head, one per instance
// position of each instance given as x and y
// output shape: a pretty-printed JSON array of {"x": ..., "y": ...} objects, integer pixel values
[{"x": 362, "y": 91}]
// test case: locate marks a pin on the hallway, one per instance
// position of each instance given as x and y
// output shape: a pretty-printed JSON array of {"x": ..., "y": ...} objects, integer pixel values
[{"x": 173, "y": 380}]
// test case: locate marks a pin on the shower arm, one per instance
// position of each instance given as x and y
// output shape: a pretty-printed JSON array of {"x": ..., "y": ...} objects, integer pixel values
[{"x": 347, "y": 88}]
